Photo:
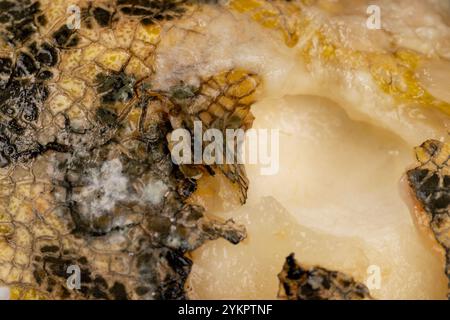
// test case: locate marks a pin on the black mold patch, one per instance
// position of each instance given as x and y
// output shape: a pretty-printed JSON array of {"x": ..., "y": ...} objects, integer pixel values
[
  {"x": 49, "y": 248},
  {"x": 44, "y": 54},
  {"x": 45, "y": 75},
  {"x": 65, "y": 37},
  {"x": 50, "y": 270},
  {"x": 18, "y": 18},
  {"x": 22, "y": 96},
  {"x": 25, "y": 65},
  {"x": 118, "y": 291},
  {"x": 172, "y": 227},
  {"x": 5, "y": 71},
  {"x": 153, "y": 10},
  {"x": 21, "y": 102},
  {"x": 106, "y": 116},
  {"x": 175, "y": 269},
  {"x": 47, "y": 55},
  {"x": 42, "y": 20},
  {"x": 430, "y": 183},
  {"x": 102, "y": 16},
  {"x": 115, "y": 87},
  {"x": 299, "y": 283},
  {"x": 6, "y": 5},
  {"x": 24, "y": 91}
]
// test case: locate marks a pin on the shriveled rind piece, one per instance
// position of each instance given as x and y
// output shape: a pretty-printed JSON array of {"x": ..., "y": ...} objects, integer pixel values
[
  {"x": 300, "y": 283},
  {"x": 221, "y": 102},
  {"x": 430, "y": 182}
]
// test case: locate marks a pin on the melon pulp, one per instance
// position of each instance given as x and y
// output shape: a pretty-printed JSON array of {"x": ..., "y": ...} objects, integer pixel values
[{"x": 336, "y": 202}]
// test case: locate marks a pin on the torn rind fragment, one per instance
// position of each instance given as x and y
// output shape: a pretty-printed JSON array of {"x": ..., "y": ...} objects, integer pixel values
[
  {"x": 430, "y": 182},
  {"x": 222, "y": 102},
  {"x": 316, "y": 283}
]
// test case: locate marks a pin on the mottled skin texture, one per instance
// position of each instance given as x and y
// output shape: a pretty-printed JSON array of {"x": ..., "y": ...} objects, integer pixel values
[
  {"x": 430, "y": 182},
  {"x": 316, "y": 283},
  {"x": 62, "y": 137},
  {"x": 78, "y": 109}
]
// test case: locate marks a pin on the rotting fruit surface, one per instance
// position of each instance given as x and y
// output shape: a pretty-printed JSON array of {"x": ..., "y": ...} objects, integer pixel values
[{"x": 86, "y": 116}]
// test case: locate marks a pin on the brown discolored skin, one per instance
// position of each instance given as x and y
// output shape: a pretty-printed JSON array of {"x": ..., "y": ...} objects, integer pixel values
[
  {"x": 316, "y": 283},
  {"x": 430, "y": 182},
  {"x": 75, "y": 111}
]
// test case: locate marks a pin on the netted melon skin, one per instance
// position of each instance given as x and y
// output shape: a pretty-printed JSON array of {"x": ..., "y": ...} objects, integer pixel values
[{"x": 87, "y": 178}]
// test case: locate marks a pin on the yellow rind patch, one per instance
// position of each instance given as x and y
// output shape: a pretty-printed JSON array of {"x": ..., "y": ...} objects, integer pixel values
[
  {"x": 394, "y": 74},
  {"x": 268, "y": 15}
]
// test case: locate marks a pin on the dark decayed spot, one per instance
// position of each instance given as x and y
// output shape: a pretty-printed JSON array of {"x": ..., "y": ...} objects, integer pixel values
[
  {"x": 5, "y": 66},
  {"x": 4, "y": 18},
  {"x": 152, "y": 11},
  {"x": 5, "y": 71},
  {"x": 115, "y": 87},
  {"x": 418, "y": 175},
  {"x": 18, "y": 17},
  {"x": 47, "y": 55},
  {"x": 4, "y": 161},
  {"x": 318, "y": 283},
  {"x": 6, "y": 5},
  {"x": 49, "y": 249},
  {"x": 15, "y": 127},
  {"x": 65, "y": 37},
  {"x": 42, "y": 20},
  {"x": 23, "y": 86},
  {"x": 22, "y": 96},
  {"x": 106, "y": 116},
  {"x": 170, "y": 286},
  {"x": 140, "y": 291},
  {"x": 182, "y": 94},
  {"x": 30, "y": 113},
  {"x": 20, "y": 32},
  {"x": 136, "y": 11},
  {"x": 25, "y": 65},
  {"x": 45, "y": 75},
  {"x": 50, "y": 272},
  {"x": 102, "y": 16},
  {"x": 447, "y": 182},
  {"x": 118, "y": 291},
  {"x": 82, "y": 260},
  {"x": 428, "y": 189},
  {"x": 187, "y": 187},
  {"x": 22, "y": 11},
  {"x": 441, "y": 200}
]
